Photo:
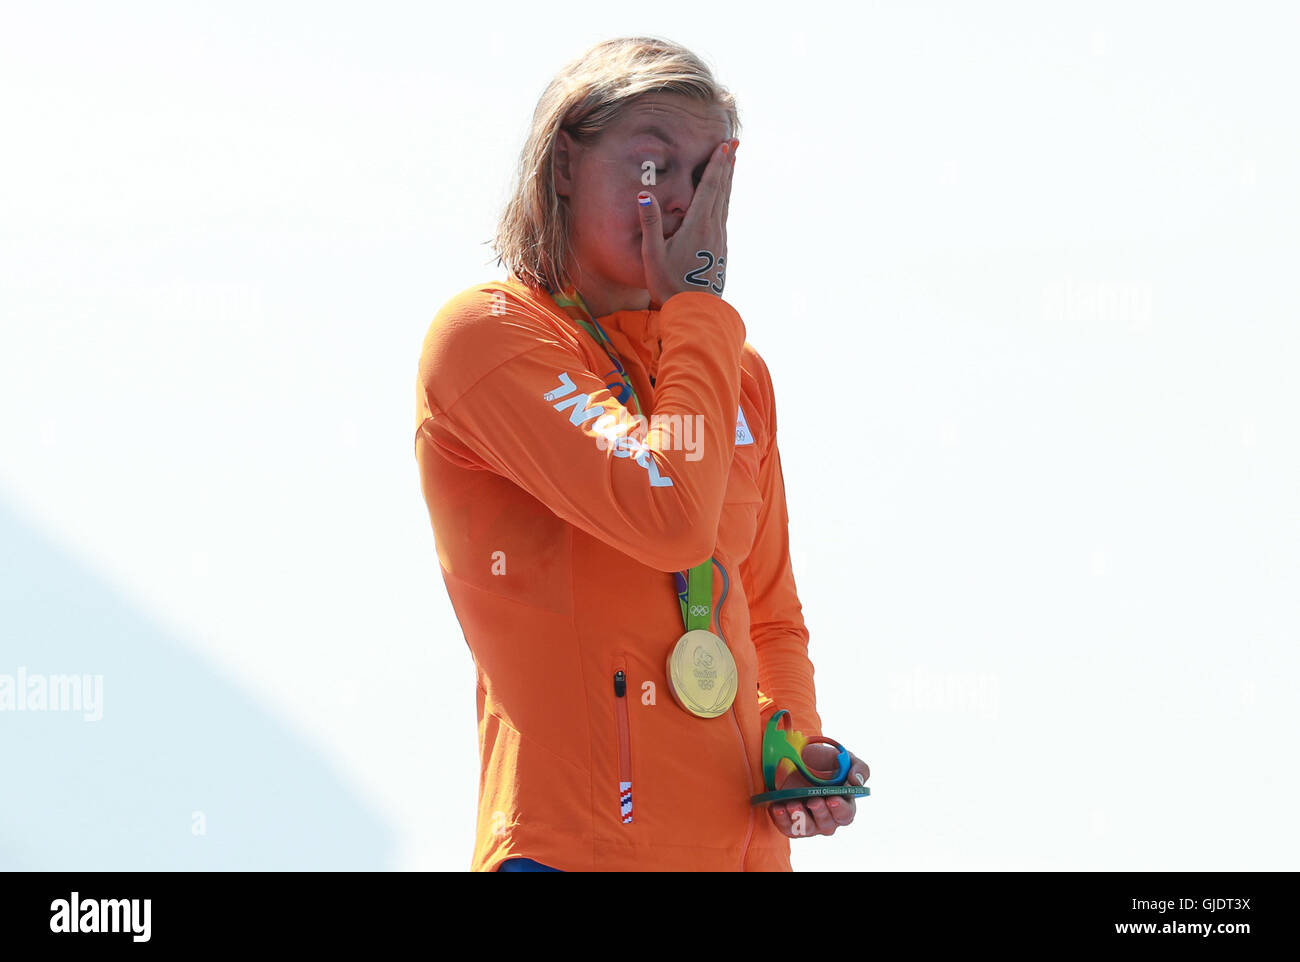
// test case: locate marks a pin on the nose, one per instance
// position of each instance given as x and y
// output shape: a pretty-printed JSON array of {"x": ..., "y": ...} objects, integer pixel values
[{"x": 674, "y": 194}]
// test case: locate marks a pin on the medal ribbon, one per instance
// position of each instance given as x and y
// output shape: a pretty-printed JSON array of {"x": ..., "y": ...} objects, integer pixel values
[
  {"x": 572, "y": 301},
  {"x": 694, "y": 592}
]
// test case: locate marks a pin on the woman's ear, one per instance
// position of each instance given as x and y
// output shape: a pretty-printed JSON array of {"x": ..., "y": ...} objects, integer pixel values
[{"x": 562, "y": 163}]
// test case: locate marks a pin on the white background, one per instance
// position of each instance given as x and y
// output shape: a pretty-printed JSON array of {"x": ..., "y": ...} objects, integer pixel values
[{"x": 1024, "y": 274}]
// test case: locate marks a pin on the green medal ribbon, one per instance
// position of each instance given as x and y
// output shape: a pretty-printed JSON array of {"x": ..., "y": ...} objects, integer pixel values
[
  {"x": 696, "y": 595},
  {"x": 598, "y": 334}
]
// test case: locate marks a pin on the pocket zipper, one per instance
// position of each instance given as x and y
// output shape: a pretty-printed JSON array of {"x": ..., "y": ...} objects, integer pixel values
[{"x": 624, "y": 748}]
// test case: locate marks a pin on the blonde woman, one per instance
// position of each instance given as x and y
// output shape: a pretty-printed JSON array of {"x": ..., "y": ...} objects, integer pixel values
[{"x": 597, "y": 449}]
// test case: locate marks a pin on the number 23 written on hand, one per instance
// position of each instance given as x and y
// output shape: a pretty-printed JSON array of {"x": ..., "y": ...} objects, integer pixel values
[{"x": 694, "y": 277}]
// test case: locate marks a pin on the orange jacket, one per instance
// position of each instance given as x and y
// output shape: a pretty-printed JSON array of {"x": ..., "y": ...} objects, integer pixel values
[{"x": 557, "y": 551}]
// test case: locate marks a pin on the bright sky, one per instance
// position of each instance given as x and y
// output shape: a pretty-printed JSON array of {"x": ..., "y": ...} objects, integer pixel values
[{"x": 1025, "y": 279}]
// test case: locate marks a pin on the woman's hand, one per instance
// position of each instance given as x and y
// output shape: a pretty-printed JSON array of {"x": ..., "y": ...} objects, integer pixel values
[
  {"x": 818, "y": 815},
  {"x": 694, "y": 258}
]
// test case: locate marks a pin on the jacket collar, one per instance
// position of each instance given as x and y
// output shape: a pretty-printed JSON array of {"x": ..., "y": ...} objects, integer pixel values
[{"x": 638, "y": 327}]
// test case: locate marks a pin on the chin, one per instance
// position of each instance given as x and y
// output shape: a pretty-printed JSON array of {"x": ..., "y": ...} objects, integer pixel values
[{"x": 633, "y": 276}]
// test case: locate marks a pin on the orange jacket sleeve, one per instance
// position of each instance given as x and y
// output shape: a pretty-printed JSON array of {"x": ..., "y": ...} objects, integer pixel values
[
  {"x": 512, "y": 392},
  {"x": 785, "y": 673}
]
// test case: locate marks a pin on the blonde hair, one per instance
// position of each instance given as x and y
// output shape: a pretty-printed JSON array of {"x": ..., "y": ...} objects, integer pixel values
[{"x": 585, "y": 98}]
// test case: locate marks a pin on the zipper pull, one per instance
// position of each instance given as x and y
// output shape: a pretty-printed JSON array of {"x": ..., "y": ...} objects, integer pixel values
[{"x": 620, "y": 683}]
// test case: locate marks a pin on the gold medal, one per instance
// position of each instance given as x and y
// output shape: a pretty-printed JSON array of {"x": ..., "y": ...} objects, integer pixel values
[{"x": 702, "y": 674}]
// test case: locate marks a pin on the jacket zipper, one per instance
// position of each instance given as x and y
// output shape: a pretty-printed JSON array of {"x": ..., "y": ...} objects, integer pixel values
[
  {"x": 624, "y": 748},
  {"x": 749, "y": 776}
]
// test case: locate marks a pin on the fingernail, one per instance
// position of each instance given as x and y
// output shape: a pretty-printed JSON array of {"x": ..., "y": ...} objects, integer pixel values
[
  {"x": 778, "y": 809},
  {"x": 643, "y": 199},
  {"x": 724, "y": 148}
]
